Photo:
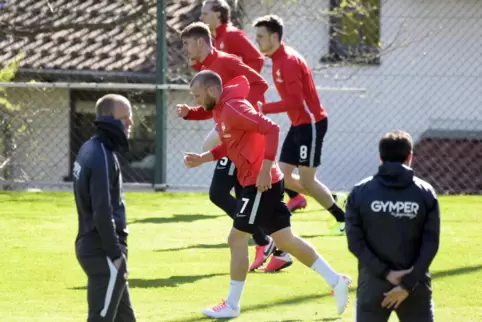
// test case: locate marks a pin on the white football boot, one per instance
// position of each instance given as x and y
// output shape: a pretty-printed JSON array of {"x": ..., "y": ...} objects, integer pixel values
[
  {"x": 340, "y": 292},
  {"x": 221, "y": 311}
]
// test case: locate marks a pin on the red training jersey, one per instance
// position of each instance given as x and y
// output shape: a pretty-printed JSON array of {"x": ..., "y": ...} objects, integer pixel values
[
  {"x": 234, "y": 41},
  {"x": 228, "y": 67},
  {"x": 295, "y": 85},
  {"x": 247, "y": 136}
]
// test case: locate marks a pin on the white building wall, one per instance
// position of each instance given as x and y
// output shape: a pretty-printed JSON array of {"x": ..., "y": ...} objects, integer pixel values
[{"x": 429, "y": 77}]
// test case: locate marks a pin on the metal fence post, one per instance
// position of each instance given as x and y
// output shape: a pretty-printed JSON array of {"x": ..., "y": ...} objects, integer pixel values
[{"x": 161, "y": 99}]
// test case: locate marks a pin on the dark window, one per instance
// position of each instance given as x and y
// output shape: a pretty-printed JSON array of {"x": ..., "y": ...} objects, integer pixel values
[
  {"x": 137, "y": 164},
  {"x": 354, "y": 32}
]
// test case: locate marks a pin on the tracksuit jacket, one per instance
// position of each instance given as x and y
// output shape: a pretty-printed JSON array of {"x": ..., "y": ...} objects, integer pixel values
[{"x": 392, "y": 223}]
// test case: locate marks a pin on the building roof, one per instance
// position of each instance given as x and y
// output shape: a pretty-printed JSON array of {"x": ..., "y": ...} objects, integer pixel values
[{"x": 85, "y": 37}]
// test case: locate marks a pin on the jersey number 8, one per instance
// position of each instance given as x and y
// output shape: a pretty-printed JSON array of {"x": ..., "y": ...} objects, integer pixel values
[{"x": 303, "y": 152}]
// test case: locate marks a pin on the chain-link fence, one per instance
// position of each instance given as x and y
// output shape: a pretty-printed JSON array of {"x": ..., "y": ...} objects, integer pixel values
[{"x": 379, "y": 66}]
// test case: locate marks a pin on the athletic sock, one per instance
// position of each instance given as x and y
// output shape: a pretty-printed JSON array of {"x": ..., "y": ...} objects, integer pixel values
[
  {"x": 260, "y": 237},
  {"x": 291, "y": 193},
  {"x": 234, "y": 296},
  {"x": 326, "y": 271},
  {"x": 278, "y": 253},
  {"x": 337, "y": 212}
]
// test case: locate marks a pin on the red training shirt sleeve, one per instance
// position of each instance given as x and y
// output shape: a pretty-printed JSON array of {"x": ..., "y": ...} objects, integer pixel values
[
  {"x": 243, "y": 117},
  {"x": 219, "y": 151},
  {"x": 258, "y": 86},
  {"x": 198, "y": 113},
  {"x": 240, "y": 45},
  {"x": 292, "y": 74}
]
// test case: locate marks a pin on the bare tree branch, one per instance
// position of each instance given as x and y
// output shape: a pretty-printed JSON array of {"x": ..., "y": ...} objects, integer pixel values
[{"x": 4, "y": 163}]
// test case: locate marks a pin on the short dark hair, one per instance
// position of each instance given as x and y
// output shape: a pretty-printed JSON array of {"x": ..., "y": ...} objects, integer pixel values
[
  {"x": 272, "y": 23},
  {"x": 197, "y": 30},
  {"x": 105, "y": 105},
  {"x": 395, "y": 146},
  {"x": 207, "y": 78},
  {"x": 222, "y": 7}
]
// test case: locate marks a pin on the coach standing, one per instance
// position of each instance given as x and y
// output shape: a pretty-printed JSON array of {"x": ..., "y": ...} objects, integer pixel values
[
  {"x": 393, "y": 228},
  {"x": 101, "y": 243}
]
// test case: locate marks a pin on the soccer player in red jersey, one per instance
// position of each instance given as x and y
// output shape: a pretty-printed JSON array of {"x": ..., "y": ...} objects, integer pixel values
[
  {"x": 250, "y": 140},
  {"x": 226, "y": 37},
  {"x": 197, "y": 43},
  {"x": 196, "y": 39},
  {"x": 309, "y": 122}
]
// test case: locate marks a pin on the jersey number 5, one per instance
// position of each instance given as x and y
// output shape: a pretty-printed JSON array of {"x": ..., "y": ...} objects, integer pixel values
[{"x": 223, "y": 162}]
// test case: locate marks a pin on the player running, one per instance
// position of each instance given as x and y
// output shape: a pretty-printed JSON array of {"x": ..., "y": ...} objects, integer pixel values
[
  {"x": 309, "y": 123},
  {"x": 226, "y": 37},
  {"x": 197, "y": 43},
  {"x": 250, "y": 140}
]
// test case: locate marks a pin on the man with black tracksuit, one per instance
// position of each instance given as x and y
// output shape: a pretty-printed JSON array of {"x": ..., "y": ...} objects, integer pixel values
[
  {"x": 101, "y": 243},
  {"x": 393, "y": 228}
]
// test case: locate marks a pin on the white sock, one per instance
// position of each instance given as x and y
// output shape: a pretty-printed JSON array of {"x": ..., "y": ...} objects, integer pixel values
[
  {"x": 234, "y": 296},
  {"x": 326, "y": 271}
]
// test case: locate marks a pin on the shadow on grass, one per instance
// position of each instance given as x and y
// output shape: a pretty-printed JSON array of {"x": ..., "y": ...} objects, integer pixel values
[
  {"x": 457, "y": 271},
  {"x": 174, "y": 219},
  {"x": 198, "y": 246},
  {"x": 321, "y": 235},
  {"x": 172, "y": 281},
  {"x": 323, "y": 319},
  {"x": 225, "y": 245},
  {"x": 309, "y": 211},
  {"x": 305, "y": 298},
  {"x": 258, "y": 307}
]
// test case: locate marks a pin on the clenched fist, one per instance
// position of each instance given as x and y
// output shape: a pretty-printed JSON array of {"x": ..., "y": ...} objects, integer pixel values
[{"x": 182, "y": 110}]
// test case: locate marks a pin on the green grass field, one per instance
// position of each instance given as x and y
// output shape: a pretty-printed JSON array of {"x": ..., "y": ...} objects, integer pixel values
[{"x": 179, "y": 262}]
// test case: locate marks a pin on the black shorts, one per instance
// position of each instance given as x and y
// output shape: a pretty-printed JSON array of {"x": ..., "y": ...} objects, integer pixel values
[
  {"x": 226, "y": 166},
  {"x": 418, "y": 307},
  {"x": 303, "y": 144},
  {"x": 225, "y": 177},
  {"x": 266, "y": 210},
  {"x": 108, "y": 295}
]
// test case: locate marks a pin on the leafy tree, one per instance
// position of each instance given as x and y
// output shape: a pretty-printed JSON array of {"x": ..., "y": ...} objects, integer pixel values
[{"x": 13, "y": 123}]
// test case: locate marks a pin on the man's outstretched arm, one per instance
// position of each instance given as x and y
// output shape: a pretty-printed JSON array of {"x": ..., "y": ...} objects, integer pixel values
[{"x": 198, "y": 113}]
